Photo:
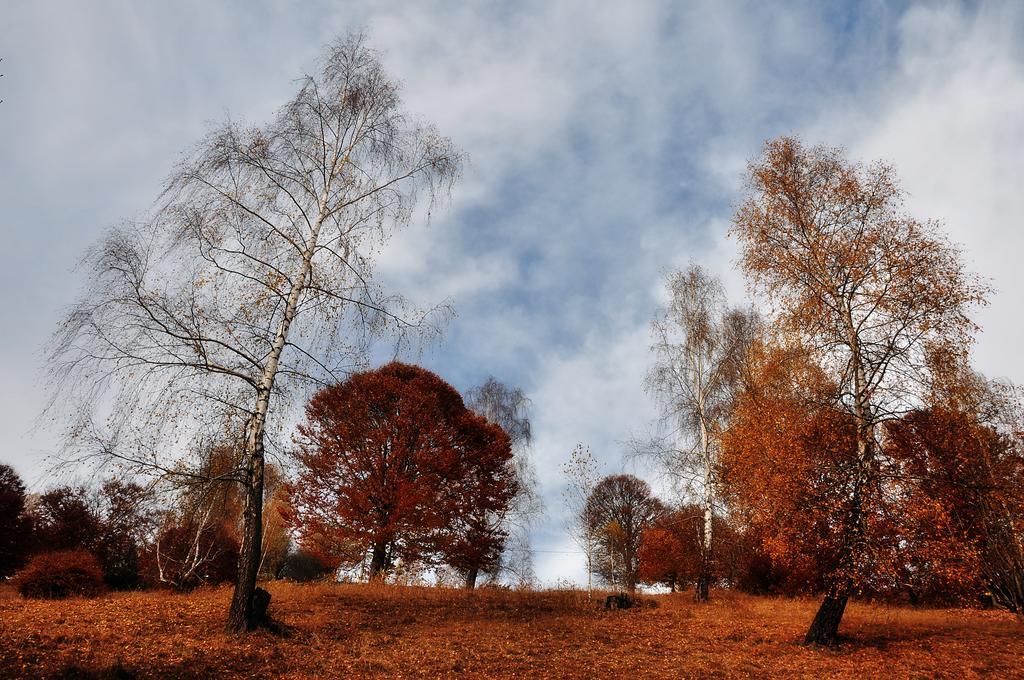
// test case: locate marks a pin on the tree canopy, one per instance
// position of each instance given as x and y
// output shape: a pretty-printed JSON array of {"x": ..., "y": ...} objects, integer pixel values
[
  {"x": 874, "y": 299},
  {"x": 393, "y": 463}
]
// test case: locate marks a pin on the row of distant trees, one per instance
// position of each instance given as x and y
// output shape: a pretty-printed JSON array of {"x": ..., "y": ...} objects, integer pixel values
[
  {"x": 393, "y": 472},
  {"x": 844, "y": 440},
  {"x": 631, "y": 537},
  {"x": 130, "y": 536}
]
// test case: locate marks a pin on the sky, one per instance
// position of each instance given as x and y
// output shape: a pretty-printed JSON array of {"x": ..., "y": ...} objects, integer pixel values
[{"x": 607, "y": 145}]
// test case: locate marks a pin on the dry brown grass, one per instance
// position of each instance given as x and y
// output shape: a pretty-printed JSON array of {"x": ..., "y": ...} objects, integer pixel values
[{"x": 366, "y": 631}]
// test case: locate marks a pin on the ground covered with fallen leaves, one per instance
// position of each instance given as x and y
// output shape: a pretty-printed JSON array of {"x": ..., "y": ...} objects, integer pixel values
[{"x": 334, "y": 630}]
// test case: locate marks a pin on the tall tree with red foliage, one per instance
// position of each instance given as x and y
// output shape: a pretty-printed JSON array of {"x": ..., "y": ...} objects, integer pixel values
[
  {"x": 394, "y": 465},
  {"x": 966, "y": 453},
  {"x": 482, "y": 493}
]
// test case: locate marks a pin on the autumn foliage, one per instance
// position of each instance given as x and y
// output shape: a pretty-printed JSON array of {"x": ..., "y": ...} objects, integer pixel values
[
  {"x": 393, "y": 465},
  {"x": 620, "y": 509},
  {"x": 60, "y": 574},
  {"x": 671, "y": 552},
  {"x": 871, "y": 295},
  {"x": 662, "y": 559},
  {"x": 790, "y": 460},
  {"x": 844, "y": 449},
  {"x": 966, "y": 455},
  {"x": 785, "y": 458},
  {"x": 186, "y": 555},
  {"x": 112, "y": 522}
]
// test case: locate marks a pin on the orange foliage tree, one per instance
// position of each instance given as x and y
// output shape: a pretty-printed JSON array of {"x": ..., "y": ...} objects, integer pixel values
[
  {"x": 662, "y": 558},
  {"x": 786, "y": 459},
  {"x": 394, "y": 465},
  {"x": 671, "y": 550},
  {"x": 870, "y": 292},
  {"x": 966, "y": 452},
  {"x": 943, "y": 512}
]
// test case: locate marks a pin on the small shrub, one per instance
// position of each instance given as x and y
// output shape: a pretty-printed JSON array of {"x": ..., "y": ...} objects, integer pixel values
[
  {"x": 64, "y": 573},
  {"x": 302, "y": 566}
]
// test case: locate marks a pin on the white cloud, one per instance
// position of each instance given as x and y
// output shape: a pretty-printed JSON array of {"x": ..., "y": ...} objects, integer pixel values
[{"x": 949, "y": 121}]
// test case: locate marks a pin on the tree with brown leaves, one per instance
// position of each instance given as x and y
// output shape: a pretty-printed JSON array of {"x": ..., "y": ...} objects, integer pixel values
[
  {"x": 672, "y": 553},
  {"x": 869, "y": 292},
  {"x": 966, "y": 453},
  {"x": 670, "y": 549},
  {"x": 620, "y": 508},
  {"x": 943, "y": 513}
]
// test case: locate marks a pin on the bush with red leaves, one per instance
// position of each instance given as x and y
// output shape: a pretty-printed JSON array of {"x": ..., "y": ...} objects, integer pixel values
[{"x": 60, "y": 574}]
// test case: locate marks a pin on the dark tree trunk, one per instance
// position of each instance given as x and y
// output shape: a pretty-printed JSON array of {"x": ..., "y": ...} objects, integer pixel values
[
  {"x": 471, "y": 578},
  {"x": 1007, "y": 588},
  {"x": 672, "y": 585},
  {"x": 379, "y": 560},
  {"x": 241, "y": 615},
  {"x": 703, "y": 586},
  {"x": 824, "y": 629}
]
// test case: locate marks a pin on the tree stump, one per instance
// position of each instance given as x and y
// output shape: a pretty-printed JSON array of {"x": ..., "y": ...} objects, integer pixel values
[
  {"x": 618, "y": 601},
  {"x": 260, "y": 604}
]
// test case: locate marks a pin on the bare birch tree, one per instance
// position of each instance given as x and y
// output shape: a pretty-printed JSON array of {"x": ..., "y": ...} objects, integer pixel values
[
  {"x": 699, "y": 342},
  {"x": 508, "y": 408},
  {"x": 581, "y": 472},
  {"x": 249, "y": 282}
]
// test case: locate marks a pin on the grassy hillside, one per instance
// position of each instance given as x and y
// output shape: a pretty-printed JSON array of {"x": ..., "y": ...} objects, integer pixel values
[{"x": 369, "y": 631}]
